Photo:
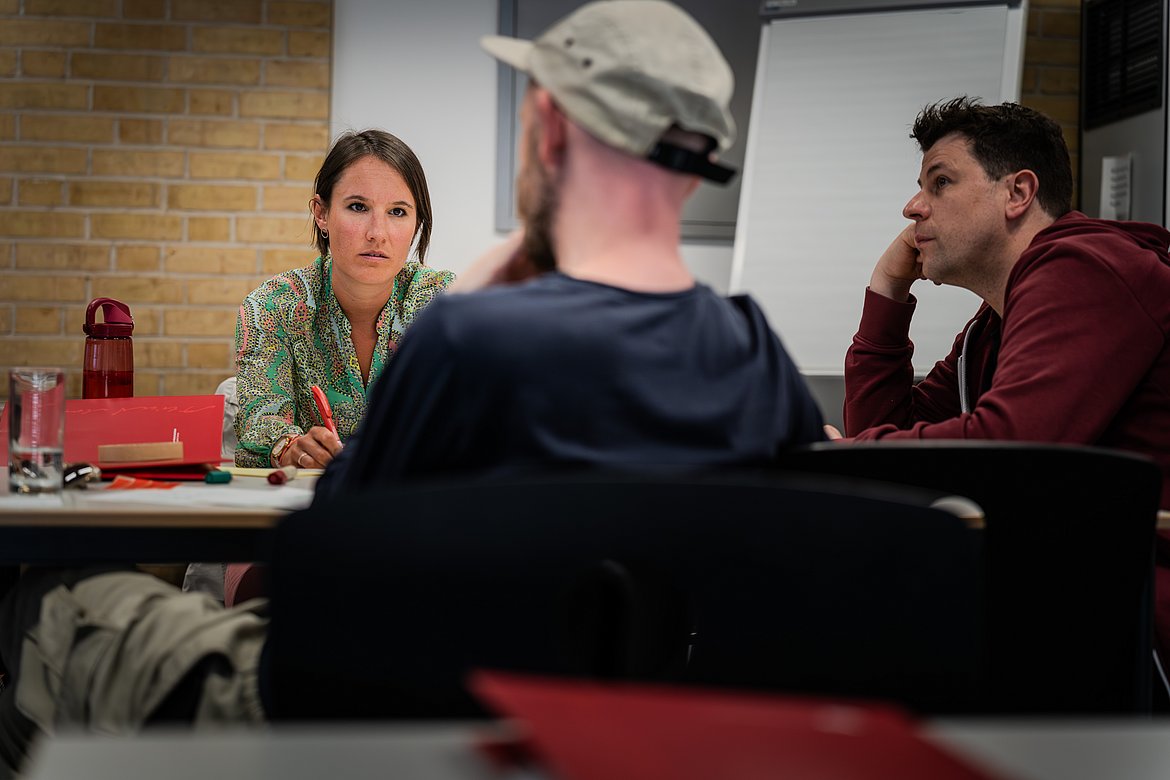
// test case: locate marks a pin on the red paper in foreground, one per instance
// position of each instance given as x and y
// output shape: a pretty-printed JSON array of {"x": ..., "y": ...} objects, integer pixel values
[{"x": 589, "y": 731}]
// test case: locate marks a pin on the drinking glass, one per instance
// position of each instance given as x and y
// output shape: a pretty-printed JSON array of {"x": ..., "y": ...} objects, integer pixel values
[{"x": 36, "y": 429}]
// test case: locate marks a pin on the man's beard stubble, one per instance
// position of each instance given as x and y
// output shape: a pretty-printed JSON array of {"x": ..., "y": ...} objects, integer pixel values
[{"x": 537, "y": 205}]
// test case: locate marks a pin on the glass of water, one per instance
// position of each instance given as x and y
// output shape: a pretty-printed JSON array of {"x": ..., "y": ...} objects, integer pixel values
[{"x": 36, "y": 429}]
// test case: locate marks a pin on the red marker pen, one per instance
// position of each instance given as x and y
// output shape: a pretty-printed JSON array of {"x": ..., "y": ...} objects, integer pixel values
[{"x": 323, "y": 409}]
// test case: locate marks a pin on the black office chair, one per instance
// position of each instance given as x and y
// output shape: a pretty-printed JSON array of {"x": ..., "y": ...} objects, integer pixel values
[
  {"x": 1068, "y": 560},
  {"x": 382, "y": 603}
]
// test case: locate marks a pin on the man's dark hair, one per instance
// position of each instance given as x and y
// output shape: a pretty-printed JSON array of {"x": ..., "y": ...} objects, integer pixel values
[{"x": 1005, "y": 139}]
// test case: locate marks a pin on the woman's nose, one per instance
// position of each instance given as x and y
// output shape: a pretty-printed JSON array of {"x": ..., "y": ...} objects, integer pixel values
[{"x": 377, "y": 228}]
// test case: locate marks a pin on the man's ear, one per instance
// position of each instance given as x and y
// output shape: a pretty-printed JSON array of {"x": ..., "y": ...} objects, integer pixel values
[
  {"x": 1023, "y": 187},
  {"x": 551, "y": 139}
]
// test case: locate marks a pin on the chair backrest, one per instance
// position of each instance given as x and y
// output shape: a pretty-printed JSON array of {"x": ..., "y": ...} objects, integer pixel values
[
  {"x": 1069, "y": 547},
  {"x": 231, "y": 407},
  {"x": 382, "y": 603}
]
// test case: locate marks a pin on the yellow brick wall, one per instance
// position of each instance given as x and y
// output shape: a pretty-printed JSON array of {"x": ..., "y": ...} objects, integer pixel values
[
  {"x": 160, "y": 152},
  {"x": 1052, "y": 60}
]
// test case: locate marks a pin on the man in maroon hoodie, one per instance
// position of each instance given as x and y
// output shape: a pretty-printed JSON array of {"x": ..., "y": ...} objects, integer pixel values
[{"x": 1071, "y": 342}]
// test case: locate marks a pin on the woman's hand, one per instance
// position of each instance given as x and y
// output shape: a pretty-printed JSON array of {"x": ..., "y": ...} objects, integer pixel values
[{"x": 313, "y": 450}]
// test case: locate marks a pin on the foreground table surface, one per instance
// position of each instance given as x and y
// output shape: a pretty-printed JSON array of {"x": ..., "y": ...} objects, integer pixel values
[
  {"x": 1020, "y": 749},
  {"x": 1062, "y": 750},
  {"x": 354, "y": 752}
]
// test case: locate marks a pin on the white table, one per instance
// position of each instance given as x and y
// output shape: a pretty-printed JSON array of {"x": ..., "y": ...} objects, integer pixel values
[
  {"x": 194, "y": 521},
  {"x": 352, "y": 752},
  {"x": 1062, "y": 750},
  {"x": 1020, "y": 750}
]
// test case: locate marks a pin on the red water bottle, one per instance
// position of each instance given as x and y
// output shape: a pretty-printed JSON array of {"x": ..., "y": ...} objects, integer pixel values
[{"x": 108, "y": 371}]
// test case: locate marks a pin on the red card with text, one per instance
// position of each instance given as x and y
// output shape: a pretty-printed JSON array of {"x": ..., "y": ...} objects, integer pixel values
[{"x": 194, "y": 420}]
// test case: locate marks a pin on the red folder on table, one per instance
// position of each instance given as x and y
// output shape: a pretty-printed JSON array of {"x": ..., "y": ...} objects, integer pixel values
[
  {"x": 194, "y": 420},
  {"x": 582, "y": 730}
]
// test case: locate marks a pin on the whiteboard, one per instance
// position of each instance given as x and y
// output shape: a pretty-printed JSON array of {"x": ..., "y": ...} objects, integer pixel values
[{"x": 829, "y": 163}]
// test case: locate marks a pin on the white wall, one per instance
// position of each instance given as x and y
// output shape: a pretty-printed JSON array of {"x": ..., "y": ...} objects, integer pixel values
[
  {"x": 415, "y": 68},
  {"x": 829, "y": 163}
]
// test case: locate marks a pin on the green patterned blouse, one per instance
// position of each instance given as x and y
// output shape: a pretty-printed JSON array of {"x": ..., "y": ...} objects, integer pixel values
[{"x": 291, "y": 334}]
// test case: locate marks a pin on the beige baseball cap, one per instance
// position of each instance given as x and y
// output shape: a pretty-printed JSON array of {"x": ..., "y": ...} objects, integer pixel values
[{"x": 626, "y": 71}]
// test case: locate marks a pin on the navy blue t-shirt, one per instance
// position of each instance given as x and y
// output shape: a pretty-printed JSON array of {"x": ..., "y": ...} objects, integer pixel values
[{"x": 562, "y": 372}]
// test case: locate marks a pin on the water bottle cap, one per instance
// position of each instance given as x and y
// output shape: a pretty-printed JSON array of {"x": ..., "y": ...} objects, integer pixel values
[{"x": 118, "y": 322}]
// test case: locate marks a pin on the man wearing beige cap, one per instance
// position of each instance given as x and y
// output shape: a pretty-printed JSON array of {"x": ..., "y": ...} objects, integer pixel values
[{"x": 584, "y": 339}]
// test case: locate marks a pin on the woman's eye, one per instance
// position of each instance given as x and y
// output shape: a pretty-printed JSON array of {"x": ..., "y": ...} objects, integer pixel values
[
  {"x": 398, "y": 211},
  {"x": 359, "y": 207}
]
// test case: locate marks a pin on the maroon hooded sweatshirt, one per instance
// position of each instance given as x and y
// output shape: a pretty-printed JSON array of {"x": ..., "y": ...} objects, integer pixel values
[{"x": 1080, "y": 356}]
